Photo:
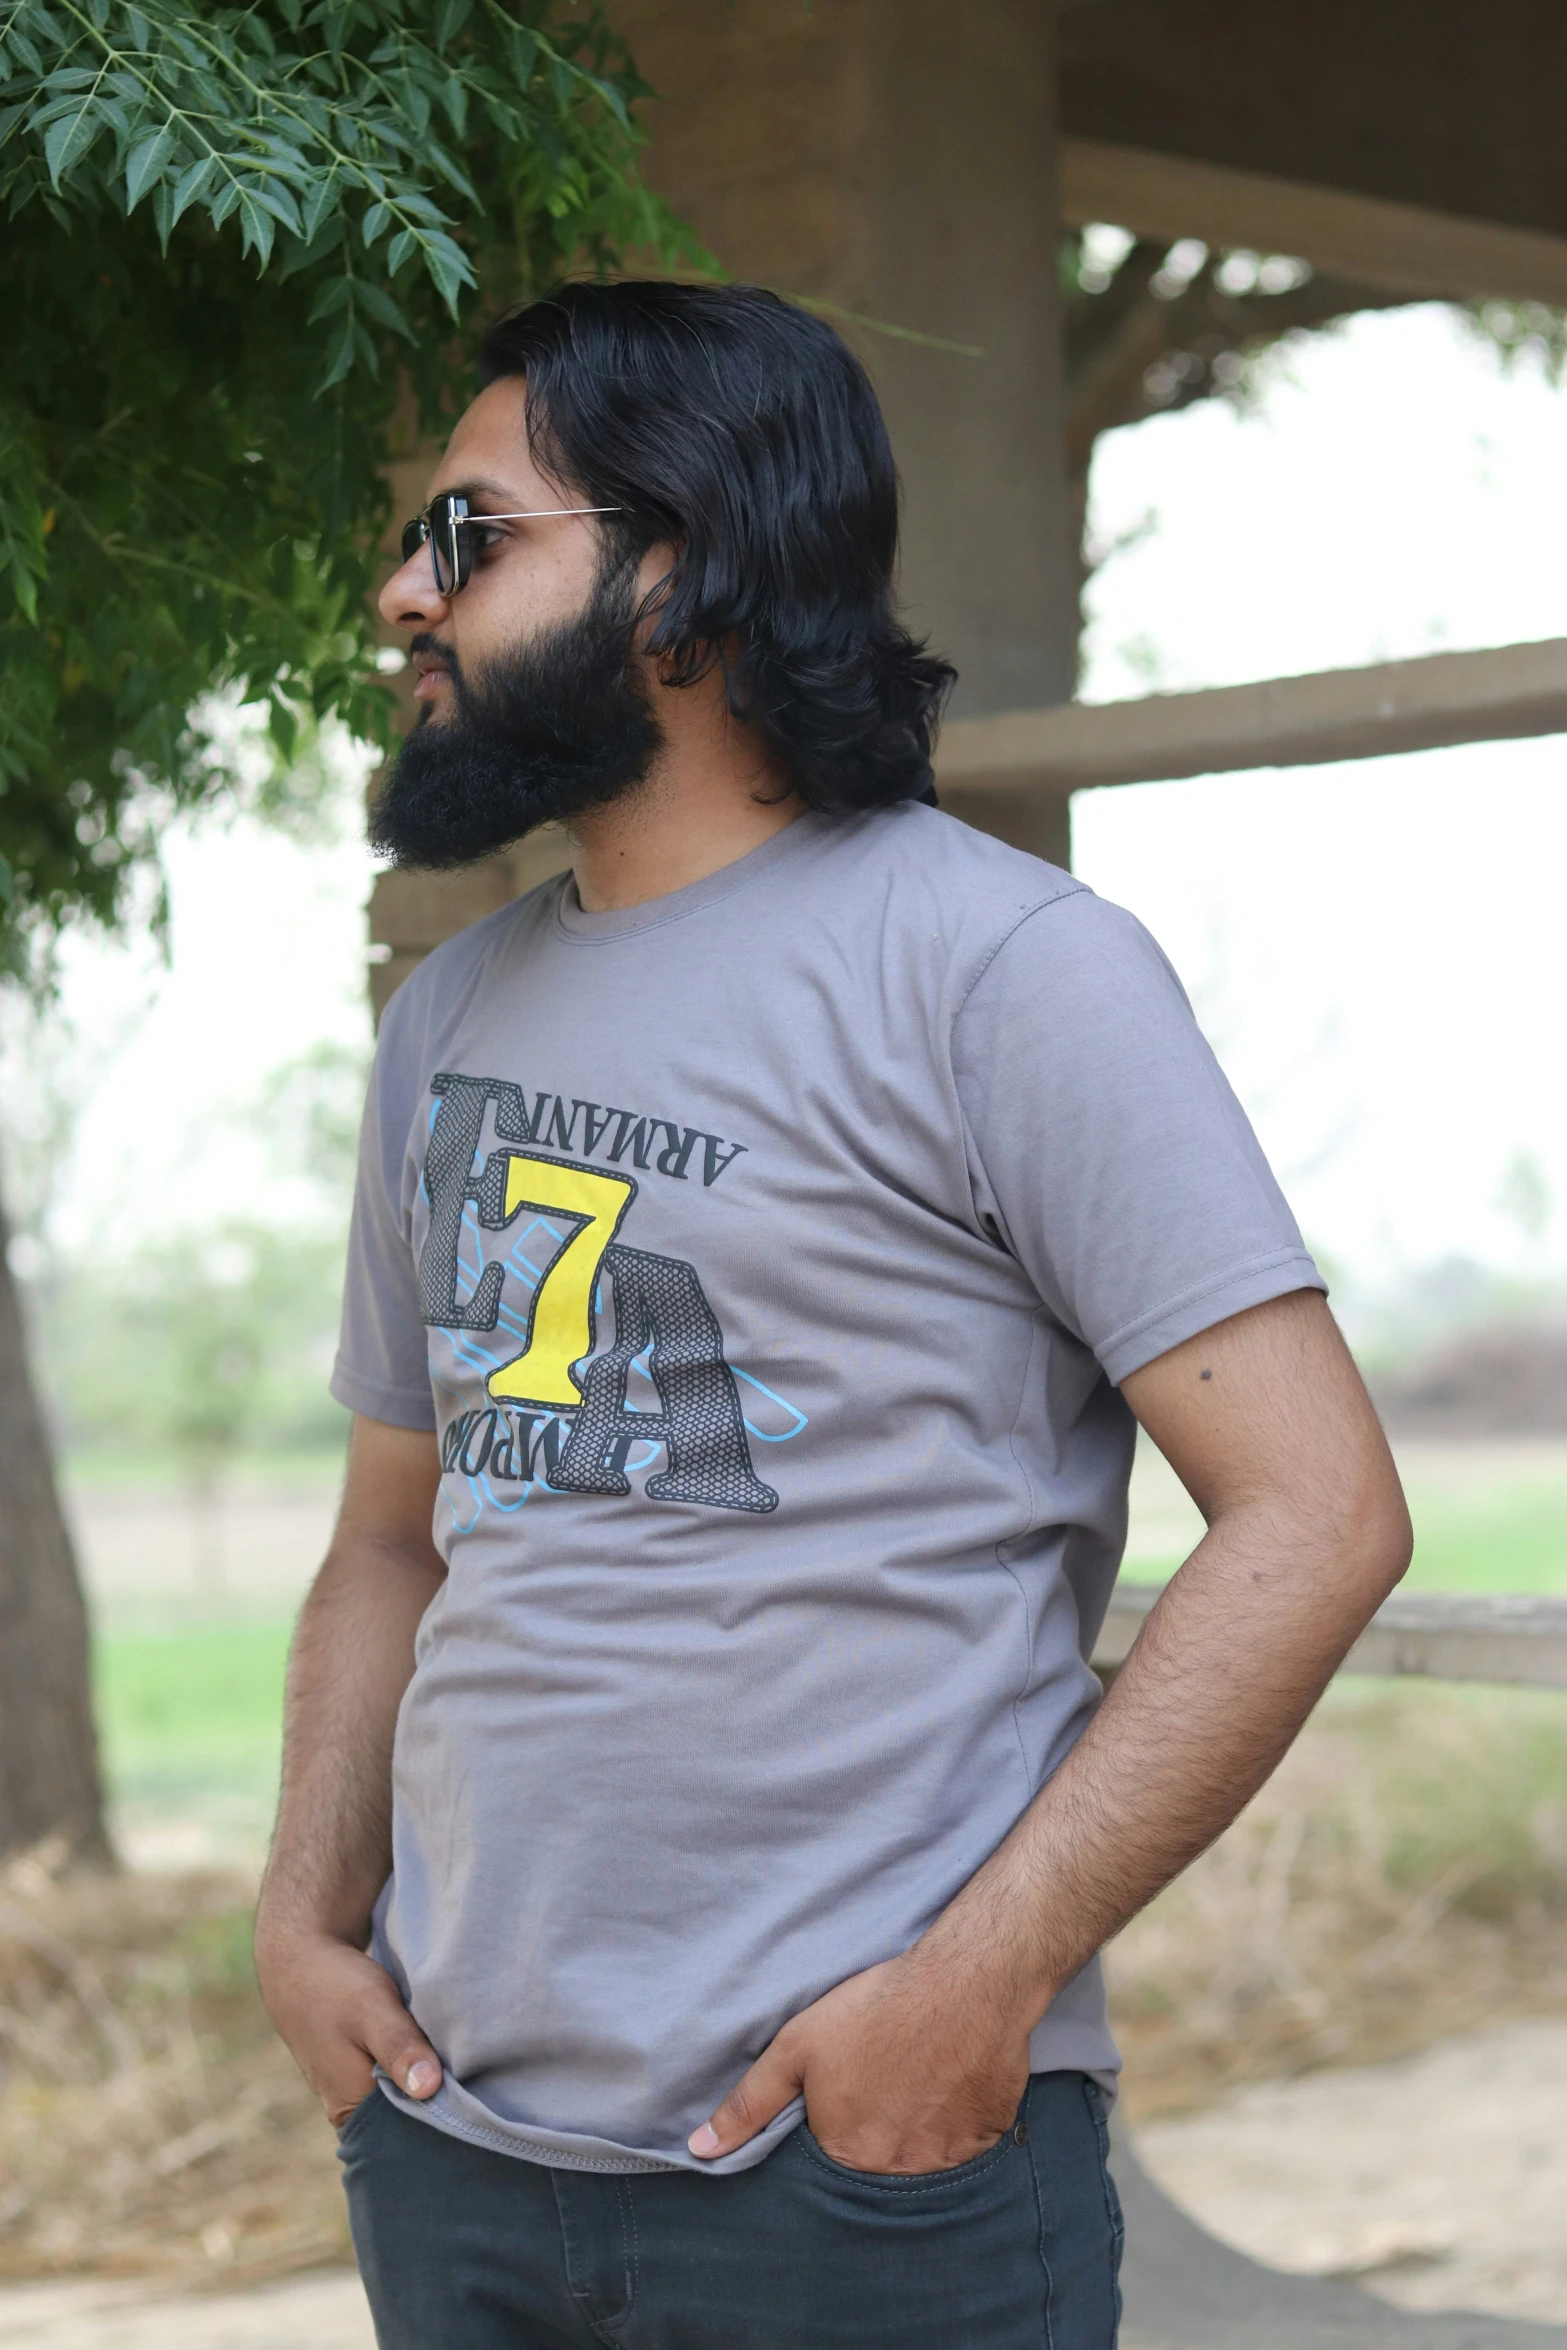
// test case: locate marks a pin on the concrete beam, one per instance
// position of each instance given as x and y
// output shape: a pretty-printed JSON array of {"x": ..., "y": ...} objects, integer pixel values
[
  {"x": 1426, "y": 704},
  {"x": 410, "y": 913},
  {"x": 1444, "y": 1636},
  {"x": 1399, "y": 248}
]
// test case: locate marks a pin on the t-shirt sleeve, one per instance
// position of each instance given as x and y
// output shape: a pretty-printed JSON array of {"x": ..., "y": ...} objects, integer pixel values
[
  {"x": 1107, "y": 1151},
  {"x": 382, "y": 1367}
]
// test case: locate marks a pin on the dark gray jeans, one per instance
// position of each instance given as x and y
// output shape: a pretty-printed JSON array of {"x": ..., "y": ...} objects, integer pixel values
[{"x": 464, "y": 2249}]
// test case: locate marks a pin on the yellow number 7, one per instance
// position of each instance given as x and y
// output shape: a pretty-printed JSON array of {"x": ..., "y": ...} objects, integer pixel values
[{"x": 560, "y": 1331}]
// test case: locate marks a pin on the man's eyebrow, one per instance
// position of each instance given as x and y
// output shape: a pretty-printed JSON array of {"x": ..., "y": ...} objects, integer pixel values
[{"x": 512, "y": 499}]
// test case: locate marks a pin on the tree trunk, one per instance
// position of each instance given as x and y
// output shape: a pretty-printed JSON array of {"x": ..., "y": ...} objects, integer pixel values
[{"x": 49, "y": 1782}]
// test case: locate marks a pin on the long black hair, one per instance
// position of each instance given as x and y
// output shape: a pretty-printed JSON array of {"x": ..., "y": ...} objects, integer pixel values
[{"x": 743, "y": 432}]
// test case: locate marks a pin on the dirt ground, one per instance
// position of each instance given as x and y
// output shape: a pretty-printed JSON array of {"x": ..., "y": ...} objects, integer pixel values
[
  {"x": 1440, "y": 2182},
  {"x": 324, "y": 2312}
]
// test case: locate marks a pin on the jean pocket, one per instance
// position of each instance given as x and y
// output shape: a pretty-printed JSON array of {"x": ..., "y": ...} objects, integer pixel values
[
  {"x": 924, "y": 2182},
  {"x": 352, "y": 2121}
]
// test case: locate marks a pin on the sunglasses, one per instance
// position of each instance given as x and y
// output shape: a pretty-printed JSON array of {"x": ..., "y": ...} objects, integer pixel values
[{"x": 445, "y": 526}]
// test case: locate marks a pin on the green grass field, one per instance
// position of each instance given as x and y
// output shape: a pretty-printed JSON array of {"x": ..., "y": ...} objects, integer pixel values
[
  {"x": 1486, "y": 1518},
  {"x": 1500, "y": 1534},
  {"x": 190, "y": 1723}
]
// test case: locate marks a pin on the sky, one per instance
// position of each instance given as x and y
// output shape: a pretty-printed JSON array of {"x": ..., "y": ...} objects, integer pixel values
[{"x": 1375, "y": 949}]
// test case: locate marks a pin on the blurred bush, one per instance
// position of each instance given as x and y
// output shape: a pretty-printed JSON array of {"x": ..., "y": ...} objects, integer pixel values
[
  {"x": 150, "y": 2120},
  {"x": 1403, "y": 1876}
]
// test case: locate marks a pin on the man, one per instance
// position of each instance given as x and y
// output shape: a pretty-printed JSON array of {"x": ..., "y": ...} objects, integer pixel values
[{"x": 768, "y": 1236}]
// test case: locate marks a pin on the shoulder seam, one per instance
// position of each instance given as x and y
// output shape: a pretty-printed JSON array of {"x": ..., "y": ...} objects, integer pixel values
[{"x": 1074, "y": 889}]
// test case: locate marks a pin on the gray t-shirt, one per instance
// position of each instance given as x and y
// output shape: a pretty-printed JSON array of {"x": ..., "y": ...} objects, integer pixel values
[{"x": 766, "y": 1257}]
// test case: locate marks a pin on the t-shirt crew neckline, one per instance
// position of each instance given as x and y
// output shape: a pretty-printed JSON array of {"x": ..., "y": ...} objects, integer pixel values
[{"x": 623, "y": 921}]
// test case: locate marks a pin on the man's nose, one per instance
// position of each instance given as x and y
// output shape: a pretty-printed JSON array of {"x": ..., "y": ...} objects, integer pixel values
[{"x": 410, "y": 598}]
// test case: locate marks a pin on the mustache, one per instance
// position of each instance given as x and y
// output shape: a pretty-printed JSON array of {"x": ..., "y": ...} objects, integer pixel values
[{"x": 428, "y": 642}]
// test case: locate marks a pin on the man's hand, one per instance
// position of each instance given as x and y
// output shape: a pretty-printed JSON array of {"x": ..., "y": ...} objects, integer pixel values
[
  {"x": 905, "y": 2068},
  {"x": 352, "y": 1659},
  {"x": 340, "y": 2015}
]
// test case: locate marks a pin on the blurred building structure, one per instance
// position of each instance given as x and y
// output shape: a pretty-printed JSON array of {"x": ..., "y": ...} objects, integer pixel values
[{"x": 909, "y": 163}]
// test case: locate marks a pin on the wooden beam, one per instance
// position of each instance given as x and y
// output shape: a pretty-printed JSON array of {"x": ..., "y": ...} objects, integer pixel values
[
  {"x": 1399, "y": 248},
  {"x": 1420, "y": 705},
  {"x": 1444, "y": 1636}
]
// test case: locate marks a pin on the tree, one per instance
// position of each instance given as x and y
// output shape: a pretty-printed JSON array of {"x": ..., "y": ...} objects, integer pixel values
[
  {"x": 240, "y": 242},
  {"x": 1152, "y": 328}
]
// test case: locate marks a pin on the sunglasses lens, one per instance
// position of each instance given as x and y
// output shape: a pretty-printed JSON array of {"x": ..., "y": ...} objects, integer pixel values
[{"x": 440, "y": 529}]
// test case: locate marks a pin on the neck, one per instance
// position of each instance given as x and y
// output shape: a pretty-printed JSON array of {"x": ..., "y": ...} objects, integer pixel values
[{"x": 714, "y": 794}]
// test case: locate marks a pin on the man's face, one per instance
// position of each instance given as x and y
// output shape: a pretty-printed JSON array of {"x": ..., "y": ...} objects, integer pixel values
[
  {"x": 535, "y": 704},
  {"x": 526, "y": 576}
]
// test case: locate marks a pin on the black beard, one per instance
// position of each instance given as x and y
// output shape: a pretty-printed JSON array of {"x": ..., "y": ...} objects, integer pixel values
[{"x": 541, "y": 734}]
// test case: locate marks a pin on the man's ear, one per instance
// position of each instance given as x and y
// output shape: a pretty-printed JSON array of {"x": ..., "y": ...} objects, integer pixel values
[{"x": 654, "y": 583}]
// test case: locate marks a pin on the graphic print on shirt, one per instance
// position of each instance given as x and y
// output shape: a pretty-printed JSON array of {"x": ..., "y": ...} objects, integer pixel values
[{"x": 559, "y": 1408}]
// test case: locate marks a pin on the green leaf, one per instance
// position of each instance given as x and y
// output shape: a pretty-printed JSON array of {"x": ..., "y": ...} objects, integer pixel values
[
  {"x": 380, "y": 305},
  {"x": 451, "y": 170},
  {"x": 190, "y": 184},
  {"x": 611, "y": 97},
  {"x": 274, "y": 197},
  {"x": 454, "y": 97},
  {"x": 283, "y": 725},
  {"x": 257, "y": 226},
  {"x": 322, "y": 199},
  {"x": 450, "y": 18},
  {"x": 449, "y": 266},
  {"x": 375, "y": 220},
  {"x": 69, "y": 138},
  {"x": 335, "y": 295},
  {"x": 145, "y": 161},
  {"x": 24, "y": 587},
  {"x": 341, "y": 356}
]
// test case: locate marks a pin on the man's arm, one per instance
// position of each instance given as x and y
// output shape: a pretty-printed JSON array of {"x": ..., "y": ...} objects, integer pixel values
[
  {"x": 918, "y": 2064},
  {"x": 352, "y": 1658}
]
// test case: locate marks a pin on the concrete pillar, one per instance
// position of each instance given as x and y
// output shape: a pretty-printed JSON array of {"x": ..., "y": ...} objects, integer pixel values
[{"x": 897, "y": 159}]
